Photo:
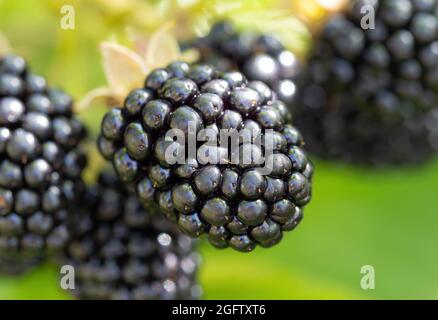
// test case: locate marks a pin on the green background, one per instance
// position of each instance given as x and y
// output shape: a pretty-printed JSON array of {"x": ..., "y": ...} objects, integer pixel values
[{"x": 386, "y": 218}]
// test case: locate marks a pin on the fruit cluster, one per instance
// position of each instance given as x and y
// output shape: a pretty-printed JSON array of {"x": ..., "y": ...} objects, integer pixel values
[
  {"x": 121, "y": 251},
  {"x": 369, "y": 92},
  {"x": 209, "y": 148},
  {"x": 260, "y": 57},
  {"x": 40, "y": 164},
  {"x": 118, "y": 248},
  {"x": 234, "y": 203}
]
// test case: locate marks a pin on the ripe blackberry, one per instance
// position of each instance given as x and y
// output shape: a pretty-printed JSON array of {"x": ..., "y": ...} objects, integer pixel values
[
  {"x": 260, "y": 57},
  {"x": 40, "y": 164},
  {"x": 121, "y": 251},
  {"x": 368, "y": 92},
  {"x": 234, "y": 202}
]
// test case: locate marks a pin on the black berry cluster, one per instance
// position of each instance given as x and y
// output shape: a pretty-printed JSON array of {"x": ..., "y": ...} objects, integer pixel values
[
  {"x": 234, "y": 203},
  {"x": 259, "y": 57},
  {"x": 370, "y": 88},
  {"x": 40, "y": 163},
  {"x": 119, "y": 250}
]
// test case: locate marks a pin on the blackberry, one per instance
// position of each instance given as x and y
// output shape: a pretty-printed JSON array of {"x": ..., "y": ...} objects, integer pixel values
[
  {"x": 218, "y": 190},
  {"x": 261, "y": 58},
  {"x": 40, "y": 165},
  {"x": 368, "y": 93},
  {"x": 122, "y": 251}
]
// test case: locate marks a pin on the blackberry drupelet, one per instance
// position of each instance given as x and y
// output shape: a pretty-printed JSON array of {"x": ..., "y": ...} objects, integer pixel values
[
  {"x": 260, "y": 57},
  {"x": 40, "y": 165},
  {"x": 234, "y": 203},
  {"x": 369, "y": 93},
  {"x": 121, "y": 251}
]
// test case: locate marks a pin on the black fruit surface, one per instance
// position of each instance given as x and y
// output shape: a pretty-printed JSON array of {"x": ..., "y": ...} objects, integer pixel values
[
  {"x": 40, "y": 164},
  {"x": 370, "y": 93},
  {"x": 260, "y": 57},
  {"x": 119, "y": 250},
  {"x": 232, "y": 200}
]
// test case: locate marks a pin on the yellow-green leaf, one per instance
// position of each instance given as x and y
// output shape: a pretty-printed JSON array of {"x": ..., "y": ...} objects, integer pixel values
[
  {"x": 124, "y": 69},
  {"x": 163, "y": 48},
  {"x": 96, "y": 96},
  {"x": 4, "y": 45},
  {"x": 190, "y": 56},
  {"x": 139, "y": 40}
]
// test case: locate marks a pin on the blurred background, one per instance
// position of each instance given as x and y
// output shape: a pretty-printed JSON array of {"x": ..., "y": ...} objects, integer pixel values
[{"x": 386, "y": 218}]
